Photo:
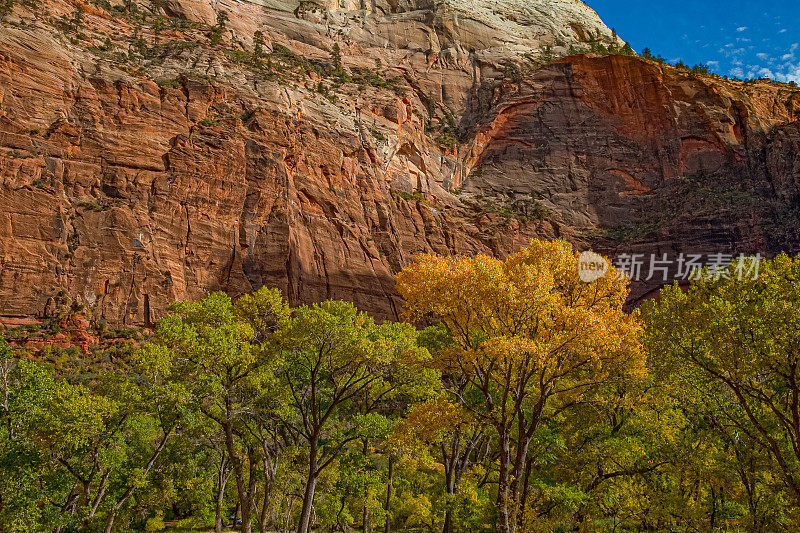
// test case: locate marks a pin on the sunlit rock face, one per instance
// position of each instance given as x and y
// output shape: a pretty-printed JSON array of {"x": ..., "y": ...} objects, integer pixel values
[{"x": 143, "y": 162}]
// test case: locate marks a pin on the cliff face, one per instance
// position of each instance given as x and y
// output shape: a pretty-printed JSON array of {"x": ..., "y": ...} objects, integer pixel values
[
  {"x": 155, "y": 152},
  {"x": 606, "y": 142}
]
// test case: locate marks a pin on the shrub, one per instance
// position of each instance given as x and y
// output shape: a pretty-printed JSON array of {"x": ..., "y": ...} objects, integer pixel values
[
  {"x": 511, "y": 71},
  {"x": 215, "y": 36},
  {"x": 336, "y": 58},
  {"x": 446, "y": 139},
  {"x": 92, "y": 206},
  {"x": 222, "y": 18},
  {"x": 258, "y": 44},
  {"x": 416, "y": 196},
  {"x": 5, "y": 8},
  {"x": 170, "y": 84}
]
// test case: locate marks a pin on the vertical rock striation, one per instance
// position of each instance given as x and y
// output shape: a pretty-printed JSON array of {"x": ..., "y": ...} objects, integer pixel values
[{"x": 156, "y": 155}]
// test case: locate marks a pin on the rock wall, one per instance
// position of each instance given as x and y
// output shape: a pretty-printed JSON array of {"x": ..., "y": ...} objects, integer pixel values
[{"x": 148, "y": 154}]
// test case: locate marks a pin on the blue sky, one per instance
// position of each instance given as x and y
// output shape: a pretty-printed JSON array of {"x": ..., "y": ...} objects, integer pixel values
[{"x": 734, "y": 38}]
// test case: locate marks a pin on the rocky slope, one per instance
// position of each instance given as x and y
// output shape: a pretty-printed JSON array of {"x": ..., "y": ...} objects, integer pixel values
[{"x": 155, "y": 151}]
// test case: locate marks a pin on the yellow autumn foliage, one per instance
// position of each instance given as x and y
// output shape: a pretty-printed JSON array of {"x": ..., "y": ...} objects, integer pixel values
[
  {"x": 529, "y": 339},
  {"x": 530, "y": 309}
]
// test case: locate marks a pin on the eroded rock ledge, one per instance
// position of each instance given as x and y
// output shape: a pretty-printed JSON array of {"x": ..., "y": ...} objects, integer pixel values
[{"x": 143, "y": 161}]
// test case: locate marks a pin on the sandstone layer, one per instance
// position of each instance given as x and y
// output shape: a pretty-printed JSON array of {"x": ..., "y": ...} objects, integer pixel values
[{"x": 156, "y": 152}]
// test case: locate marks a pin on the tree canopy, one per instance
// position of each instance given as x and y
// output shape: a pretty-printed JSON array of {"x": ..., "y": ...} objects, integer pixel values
[{"x": 514, "y": 397}]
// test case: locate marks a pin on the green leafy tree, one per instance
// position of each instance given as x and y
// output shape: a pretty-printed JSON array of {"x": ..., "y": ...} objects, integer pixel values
[
  {"x": 28, "y": 491},
  {"x": 336, "y": 59},
  {"x": 222, "y": 18},
  {"x": 339, "y": 367},
  {"x": 82, "y": 449},
  {"x": 258, "y": 44},
  {"x": 219, "y": 354},
  {"x": 441, "y": 430},
  {"x": 730, "y": 345}
]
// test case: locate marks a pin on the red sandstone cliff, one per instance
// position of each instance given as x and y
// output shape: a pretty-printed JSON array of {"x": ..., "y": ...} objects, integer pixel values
[{"x": 148, "y": 156}]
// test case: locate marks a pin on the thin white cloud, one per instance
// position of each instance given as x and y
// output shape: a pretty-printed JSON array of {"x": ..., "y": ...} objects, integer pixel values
[
  {"x": 743, "y": 59},
  {"x": 783, "y": 30},
  {"x": 790, "y": 73},
  {"x": 789, "y": 70}
]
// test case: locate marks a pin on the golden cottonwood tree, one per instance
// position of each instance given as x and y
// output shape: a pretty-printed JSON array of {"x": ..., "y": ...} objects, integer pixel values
[{"x": 530, "y": 338}]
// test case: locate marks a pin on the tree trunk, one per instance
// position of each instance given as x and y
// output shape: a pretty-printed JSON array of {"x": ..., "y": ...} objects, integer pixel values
[
  {"x": 388, "y": 505},
  {"x": 247, "y": 516},
  {"x": 308, "y": 497},
  {"x": 517, "y": 473},
  {"x": 269, "y": 477},
  {"x": 110, "y": 522},
  {"x": 447, "y": 527},
  {"x": 311, "y": 485},
  {"x": 245, "y": 495},
  {"x": 524, "y": 498},
  {"x": 220, "y": 497},
  {"x": 262, "y": 514},
  {"x": 249, "y": 505},
  {"x": 365, "y": 513},
  {"x": 504, "y": 522},
  {"x": 713, "y": 517}
]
